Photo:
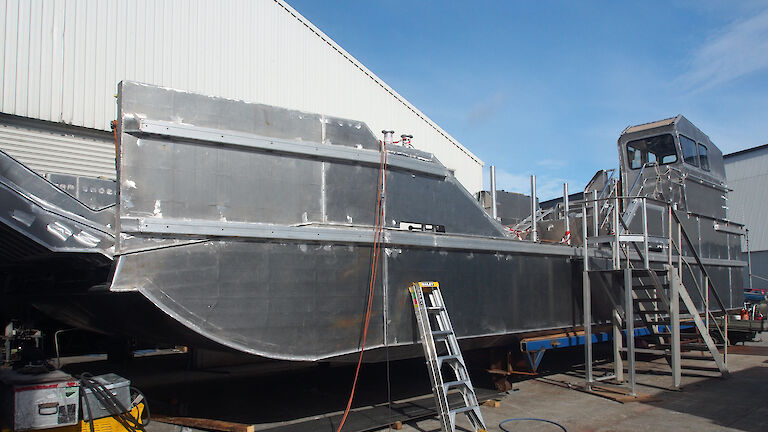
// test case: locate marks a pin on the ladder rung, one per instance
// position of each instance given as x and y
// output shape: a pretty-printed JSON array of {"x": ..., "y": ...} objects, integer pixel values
[
  {"x": 451, "y": 357},
  {"x": 435, "y": 309},
  {"x": 441, "y": 334},
  {"x": 453, "y": 384},
  {"x": 465, "y": 409}
]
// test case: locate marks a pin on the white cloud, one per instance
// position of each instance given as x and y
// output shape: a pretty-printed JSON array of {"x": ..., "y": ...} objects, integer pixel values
[
  {"x": 552, "y": 163},
  {"x": 741, "y": 49}
]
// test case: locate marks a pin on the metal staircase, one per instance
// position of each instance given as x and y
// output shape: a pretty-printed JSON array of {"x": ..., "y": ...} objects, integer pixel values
[
  {"x": 647, "y": 297},
  {"x": 441, "y": 348},
  {"x": 526, "y": 224}
]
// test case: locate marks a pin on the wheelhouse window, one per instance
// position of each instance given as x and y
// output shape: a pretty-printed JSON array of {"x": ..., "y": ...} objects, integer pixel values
[
  {"x": 659, "y": 149},
  {"x": 703, "y": 158},
  {"x": 690, "y": 155}
]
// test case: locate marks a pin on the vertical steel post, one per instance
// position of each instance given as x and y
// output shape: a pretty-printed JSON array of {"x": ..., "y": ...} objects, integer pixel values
[
  {"x": 725, "y": 337},
  {"x": 669, "y": 234},
  {"x": 618, "y": 364},
  {"x": 629, "y": 321},
  {"x": 567, "y": 211},
  {"x": 674, "y": 323},
  {"x": 596, "y": 214},
  {"x": 680, "y": 250},
  {"x": 616, "y": 244},
  {"x": 385, "y": 262},
  {"x": 534, "y": 230},
  {"x": 749, "y": 257},
  {"x": 706, "y": 301},
  {"x": 646, "y": 263},
  {"x": 494, "y": 211},
  {"x": 587, "y": 302}
]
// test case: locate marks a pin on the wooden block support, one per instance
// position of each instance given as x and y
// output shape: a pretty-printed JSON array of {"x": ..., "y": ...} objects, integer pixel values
[
  {"x": 215, "y": 425},
  {"x": 492, "y": 403},
  {"x": 396, "y": 425}
]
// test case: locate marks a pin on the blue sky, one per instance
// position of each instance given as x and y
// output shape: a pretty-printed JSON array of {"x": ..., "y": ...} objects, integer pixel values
[{"x": 547, "y": 87}]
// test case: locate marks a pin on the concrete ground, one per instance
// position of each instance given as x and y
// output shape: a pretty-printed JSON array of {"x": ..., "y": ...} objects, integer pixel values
[
  {"x": 312, "y": 397},
  {"x": 705, "y": 403}
]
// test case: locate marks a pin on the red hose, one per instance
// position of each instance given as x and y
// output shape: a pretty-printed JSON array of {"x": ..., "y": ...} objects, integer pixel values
[{"x": 377, "y": 230}]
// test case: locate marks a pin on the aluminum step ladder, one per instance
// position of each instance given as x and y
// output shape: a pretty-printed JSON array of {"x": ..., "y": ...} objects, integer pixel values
[{"x": 441, "y": 348}]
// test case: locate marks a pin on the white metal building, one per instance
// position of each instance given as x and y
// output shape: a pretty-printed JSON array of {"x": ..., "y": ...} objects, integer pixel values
[
  {"x": 747, "y": 174},
  {"x": 61, "y": 60}
]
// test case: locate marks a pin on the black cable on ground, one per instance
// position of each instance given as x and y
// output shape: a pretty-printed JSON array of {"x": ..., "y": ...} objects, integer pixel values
[
  {"x": 530, "y": 419},
  {"x": 90, "y": 414},
  {"x": 146, "y": 421}
]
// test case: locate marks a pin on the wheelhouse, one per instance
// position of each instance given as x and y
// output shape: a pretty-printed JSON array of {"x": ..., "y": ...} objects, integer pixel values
[{"x": 674, "y": 161}]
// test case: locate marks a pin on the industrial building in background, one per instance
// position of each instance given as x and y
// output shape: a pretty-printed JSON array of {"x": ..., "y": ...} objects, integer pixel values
[
  {"x": 62, "y": 61},
  {"x": 747, "y": 172}
]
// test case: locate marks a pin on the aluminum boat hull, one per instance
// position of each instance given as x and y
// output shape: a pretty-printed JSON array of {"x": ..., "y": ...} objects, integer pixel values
[{"x": 247, "y": 227}]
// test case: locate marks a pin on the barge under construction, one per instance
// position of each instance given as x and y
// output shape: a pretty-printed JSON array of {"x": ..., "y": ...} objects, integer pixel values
[{"x": 250, "y": 227}]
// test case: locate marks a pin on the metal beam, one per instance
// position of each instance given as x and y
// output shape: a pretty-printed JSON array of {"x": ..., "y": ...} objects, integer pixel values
[
  {"x": 341, "y": 234},
  {"x": 308, "y": 149}
]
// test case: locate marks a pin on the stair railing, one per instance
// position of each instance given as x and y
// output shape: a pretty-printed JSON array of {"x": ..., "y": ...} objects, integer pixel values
[{"x": 708, "y": 286}]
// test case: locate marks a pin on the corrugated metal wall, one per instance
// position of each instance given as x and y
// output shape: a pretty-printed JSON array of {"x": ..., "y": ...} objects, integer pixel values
[
  {"x": 51, "y": 148},
  {"x": 62, "y": 60},
  {"x": 747, "y": 174}
]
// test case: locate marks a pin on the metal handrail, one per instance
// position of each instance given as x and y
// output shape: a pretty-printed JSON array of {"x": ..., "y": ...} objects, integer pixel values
[
  {"x": 640, "y": 175},
  {"x": 608, "y": 182},
  {"x": 696, "y": 257},
  {"x": 698, "y": 288}
]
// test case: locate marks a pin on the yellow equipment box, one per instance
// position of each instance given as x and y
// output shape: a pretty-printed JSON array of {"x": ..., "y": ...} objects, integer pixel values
[{"x": 106, "y": 424}]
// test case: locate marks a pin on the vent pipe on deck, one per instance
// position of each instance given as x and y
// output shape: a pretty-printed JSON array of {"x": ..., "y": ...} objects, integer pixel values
[
  {"x": 388, "y": 137},
  {"x": 567, "y": 211},
  {"x": 534, "y": 231},
  {"x": 494, "y": 214}
]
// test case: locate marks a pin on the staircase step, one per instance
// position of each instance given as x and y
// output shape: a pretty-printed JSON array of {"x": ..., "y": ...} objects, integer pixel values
[
  {"x": 642, "y": 271},
  {"x": 697, "y": 346},
  {"x": 649, "y": 287},
  {"x": 660, "y": 321},
  {"x": 666, "y": 352},
  {"x": 688, "y": 346},
  {"x": 648, "y": 300},
  {"x": 654, "y": 311},
  {"x": 701, "y": 367}
]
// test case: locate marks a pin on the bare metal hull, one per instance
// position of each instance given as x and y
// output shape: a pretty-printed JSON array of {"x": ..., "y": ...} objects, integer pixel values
[{"x": 250, "y": 227}]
